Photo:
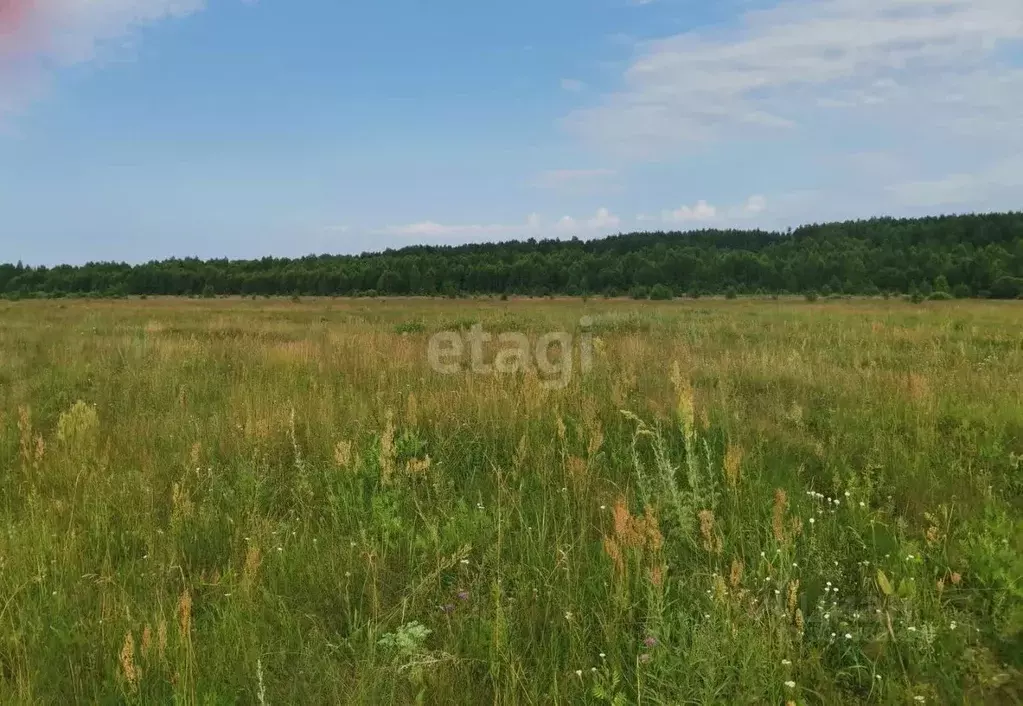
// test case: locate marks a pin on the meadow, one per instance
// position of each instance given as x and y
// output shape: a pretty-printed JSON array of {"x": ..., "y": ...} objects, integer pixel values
[{"x": 740, "y": 502}]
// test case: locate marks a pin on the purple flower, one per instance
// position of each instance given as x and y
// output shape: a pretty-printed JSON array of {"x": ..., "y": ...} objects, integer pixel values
[
  {"x": 650, "y": 641},
  {"x": 463, "y": 595}
]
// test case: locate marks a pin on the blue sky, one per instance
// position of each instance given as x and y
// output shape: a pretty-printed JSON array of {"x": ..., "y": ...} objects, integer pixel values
[{"x": 140, "y": 129}]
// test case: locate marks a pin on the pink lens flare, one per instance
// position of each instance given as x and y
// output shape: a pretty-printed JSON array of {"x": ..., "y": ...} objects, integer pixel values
[{"x": 13, "y": 14}]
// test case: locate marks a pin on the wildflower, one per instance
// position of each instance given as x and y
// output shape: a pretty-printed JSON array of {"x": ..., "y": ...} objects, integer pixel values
[
  {"x": 568, "y": 615},
  {"x": 918, "y": 698},
  {"x": 650, "y": 641},
  {"x": 449, "y": 608},
  {"x": 952, "y": 625},
  {"x": 602, "y": 655},
  {"x": 878, "y": 677},
  {"x": 579, "y": 673},
  {"x": 832, "y": 636},
  {"x": 786, "y": 662},
  {"x": 593, "y": 669},
  {"x": 790, "y": 684},
  {"x": 862, "y": 504},
  {"x": 848, "y": 636},
  {"x": 463, "y": 595},
  {"x": 827, "y": 616},
  {"x": 911, "y": 628},
  {"x": 464, "y": 562},
  {"x": 645, "y": 657},
  {"x": 603, "y": 507},
  {"x": 909, "y": 558},
  {"x": 812, "y": 520}
]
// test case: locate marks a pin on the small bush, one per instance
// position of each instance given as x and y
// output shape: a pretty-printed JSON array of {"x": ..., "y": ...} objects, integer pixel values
[
  {"x": 661, "y": 292},
  {"x": 413, "y": 326},
  {"x": 639, "y": 292}
]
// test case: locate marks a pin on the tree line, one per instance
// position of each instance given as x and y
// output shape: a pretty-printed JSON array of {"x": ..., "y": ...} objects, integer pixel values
[{"x": 977, "y": 255}]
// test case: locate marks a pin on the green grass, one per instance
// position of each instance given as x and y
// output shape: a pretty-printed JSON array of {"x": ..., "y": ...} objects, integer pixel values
[{"x": 233, "y": 501}]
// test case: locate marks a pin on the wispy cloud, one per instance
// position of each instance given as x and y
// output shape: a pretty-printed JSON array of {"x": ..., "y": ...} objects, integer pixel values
[
  {"x": 1002, "y": 181},
  {"x": 938, "y": 63}
]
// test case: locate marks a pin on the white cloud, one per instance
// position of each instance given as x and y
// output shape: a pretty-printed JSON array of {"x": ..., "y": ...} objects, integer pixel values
[
  {"x": 603, "y": 222},
  {"x": 755, "y": 204},
  {"x": 701, "y": 212},
  {"x": 53, "y": 33},
  {"x": 936, "y": 64},
  {"x": 705, "y": 215}
]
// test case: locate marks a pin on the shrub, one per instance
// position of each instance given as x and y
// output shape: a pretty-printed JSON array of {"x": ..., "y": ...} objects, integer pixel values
[
  {"x": 639, "y": 292},
  {"x": 661, "y": 292},
  {"x": 731, "y": 293},
  {"x": 1007, "y": 288},
  {"x": 413, "y": 326}
]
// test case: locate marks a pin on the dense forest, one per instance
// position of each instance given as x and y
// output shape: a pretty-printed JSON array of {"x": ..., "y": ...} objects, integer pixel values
[{"x": 962, "y": 256}]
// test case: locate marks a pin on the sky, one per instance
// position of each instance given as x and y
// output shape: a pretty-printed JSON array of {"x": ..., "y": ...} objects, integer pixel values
[{"x": 133, "y": 130}]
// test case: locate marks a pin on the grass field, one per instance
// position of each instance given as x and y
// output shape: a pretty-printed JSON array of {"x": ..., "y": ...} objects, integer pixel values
[{"x": 275, "y": 502}]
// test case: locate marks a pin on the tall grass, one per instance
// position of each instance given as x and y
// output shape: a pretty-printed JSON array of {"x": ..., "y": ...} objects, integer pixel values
[{"x": 231, "y": 501}]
